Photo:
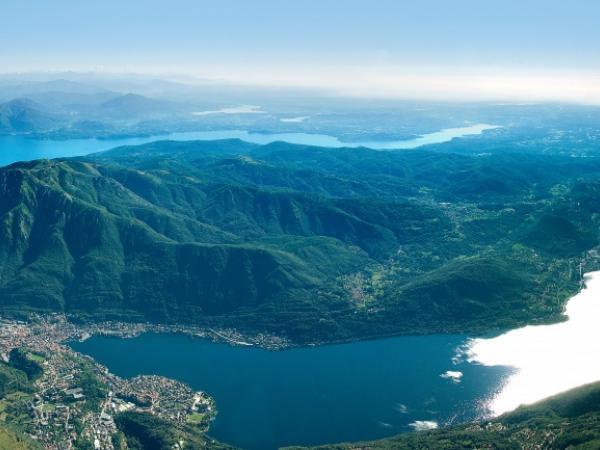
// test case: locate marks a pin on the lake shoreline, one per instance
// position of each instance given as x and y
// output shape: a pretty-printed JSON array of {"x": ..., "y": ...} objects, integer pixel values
[{"x": 86, "y": 326}]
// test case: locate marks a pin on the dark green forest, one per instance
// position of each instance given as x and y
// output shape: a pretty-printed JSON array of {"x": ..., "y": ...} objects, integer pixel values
[{"x": 313, "y": 244}]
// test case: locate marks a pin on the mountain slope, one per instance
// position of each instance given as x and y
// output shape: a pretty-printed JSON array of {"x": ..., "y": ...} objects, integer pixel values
[
  {"x": 315, "y": 244},
  {"x": 74, "y": 240}
]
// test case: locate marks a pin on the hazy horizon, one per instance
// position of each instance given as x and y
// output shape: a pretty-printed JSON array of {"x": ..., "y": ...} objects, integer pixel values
[{"x": 508, "y": 51}]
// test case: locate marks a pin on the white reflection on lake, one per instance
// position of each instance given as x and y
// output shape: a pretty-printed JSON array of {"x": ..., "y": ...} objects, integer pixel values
[{"x": 548, "y": 358}]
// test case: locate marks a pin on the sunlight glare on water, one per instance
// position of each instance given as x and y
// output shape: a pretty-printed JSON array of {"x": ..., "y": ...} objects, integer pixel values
[{"x": 548, "y": 358}]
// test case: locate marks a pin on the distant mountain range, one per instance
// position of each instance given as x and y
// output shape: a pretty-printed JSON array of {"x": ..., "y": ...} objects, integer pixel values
[
  {"x": 24, "y": 115},
  {"x": 10, "y": 89},
  {"x": 97, "y": 106},
  {"x": 58, "y": 114},
  {"x": 133, "y": 106},
  {"x": 63, "y": 108},
  {"x": 315, "y": 244}
]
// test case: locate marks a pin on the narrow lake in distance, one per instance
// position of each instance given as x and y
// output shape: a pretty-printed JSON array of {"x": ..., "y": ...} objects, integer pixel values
[
  {"x": 21, "y": 148},
  {"x": 314, "y": 395}
]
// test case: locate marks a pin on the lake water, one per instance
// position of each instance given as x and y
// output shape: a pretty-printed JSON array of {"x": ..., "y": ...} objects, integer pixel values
[
  {"x": 21, "y": 148},
  {"x": 315, "y": 395}
]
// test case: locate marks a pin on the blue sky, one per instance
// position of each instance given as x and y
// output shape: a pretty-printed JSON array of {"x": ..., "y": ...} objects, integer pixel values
[{"x": 302, "y": 41}]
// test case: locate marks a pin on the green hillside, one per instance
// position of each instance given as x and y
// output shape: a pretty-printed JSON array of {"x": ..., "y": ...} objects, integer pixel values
[
  {"x": 313, "y": 244},
  {"x": 11, "y": 440},
  {"x": 15, "y": 380},
  {"x": 143, "y": 431}
]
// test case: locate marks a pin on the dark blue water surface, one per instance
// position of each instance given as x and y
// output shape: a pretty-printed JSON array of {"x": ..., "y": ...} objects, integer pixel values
[{"x": 315, "y": 395}]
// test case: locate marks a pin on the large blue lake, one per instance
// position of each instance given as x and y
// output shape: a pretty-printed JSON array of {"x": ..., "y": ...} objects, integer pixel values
[
  {"x": 22, "y": 148},
  {"x": 314, "y": 395}
]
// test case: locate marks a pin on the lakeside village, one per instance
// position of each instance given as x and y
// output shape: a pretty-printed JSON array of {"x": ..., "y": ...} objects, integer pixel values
[{"x": 73, "y": 397}]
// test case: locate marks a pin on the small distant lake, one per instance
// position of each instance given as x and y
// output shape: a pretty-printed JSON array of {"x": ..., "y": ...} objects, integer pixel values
[
  {"x": 21, "y": 148},
  {"x": 315, "y": 395}
]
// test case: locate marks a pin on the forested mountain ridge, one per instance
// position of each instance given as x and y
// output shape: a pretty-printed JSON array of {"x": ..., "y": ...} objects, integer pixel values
[{"x": 311, "y": 243}]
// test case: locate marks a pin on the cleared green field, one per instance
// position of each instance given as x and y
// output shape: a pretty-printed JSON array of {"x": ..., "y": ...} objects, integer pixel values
[{"x": 10, "y": 440}]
